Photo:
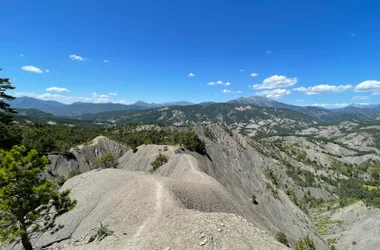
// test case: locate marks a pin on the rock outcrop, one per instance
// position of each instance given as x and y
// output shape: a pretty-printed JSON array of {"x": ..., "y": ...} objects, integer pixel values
[{"x": 81, "y": 159}]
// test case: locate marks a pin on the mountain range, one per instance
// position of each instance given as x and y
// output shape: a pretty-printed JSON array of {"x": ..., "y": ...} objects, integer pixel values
[{"x": 79, "y": 108}]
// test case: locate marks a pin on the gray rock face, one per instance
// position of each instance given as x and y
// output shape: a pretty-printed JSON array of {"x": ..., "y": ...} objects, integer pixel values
[
  {"x": 81, "y": 158},
  {"x": 359, "y": 224}
]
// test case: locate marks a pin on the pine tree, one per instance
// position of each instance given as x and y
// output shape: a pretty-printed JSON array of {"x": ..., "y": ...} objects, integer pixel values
[
  {"x": 29, "y": 204},
  {"x": 5, "y": 85}
]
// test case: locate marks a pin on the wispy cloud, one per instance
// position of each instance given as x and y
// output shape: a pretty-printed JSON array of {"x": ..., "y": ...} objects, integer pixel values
[
  {"x": 47, "y": 71},
  {"x": 254, "y": 74},
  {"x": 372, "y": 86},
  {"x": 31, "y": 68},
  {"x": 228, "y": 91},
  {"x": 323, "y": 89},
  {"x": 191, "y": 74},
  {"x": 211, "y": 83},
  {"x": 21, "y": 55},
  {"x": 227, "y": 84},
  {"x": 105, "y": 61},
  {"x": 57, "y": 89},
  {"x": 77, "y": 58},
  {"x": 359, "y": 98},
  {"x": 112, "y": 93},
  {"x": 241, "y": 70},
  {"x": 353, "y": 34},
  {"x": 276, "y": 81},
  {"x": 95, "y": 98},
  {"x": 219, "y": 82},
  {"x": 275, "y": 94},
  {"x": 330, "y": 105},
  {"x": 269, "y": 52}
]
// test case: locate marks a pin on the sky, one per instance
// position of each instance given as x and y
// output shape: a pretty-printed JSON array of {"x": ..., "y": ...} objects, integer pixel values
[{"x": 322, "y": 53}]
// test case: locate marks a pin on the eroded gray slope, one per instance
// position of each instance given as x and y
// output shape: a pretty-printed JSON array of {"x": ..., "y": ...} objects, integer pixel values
[
  {"x": 238, "y": 168},
  {"x": 144, "y": 214}
]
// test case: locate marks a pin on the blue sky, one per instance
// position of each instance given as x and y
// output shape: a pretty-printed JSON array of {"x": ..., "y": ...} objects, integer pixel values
[{"x": 299, "y": 52}]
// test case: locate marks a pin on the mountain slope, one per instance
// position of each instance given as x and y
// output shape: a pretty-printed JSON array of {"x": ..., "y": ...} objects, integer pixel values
[
  {"x": 33, "y": 103},
  {"x": 248, "y": 119}
]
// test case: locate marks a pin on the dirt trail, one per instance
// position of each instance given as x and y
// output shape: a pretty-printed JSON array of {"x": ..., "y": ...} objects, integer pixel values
[
  {"x": 157, "y": 213},
  {"x": 195, "y": 170}
]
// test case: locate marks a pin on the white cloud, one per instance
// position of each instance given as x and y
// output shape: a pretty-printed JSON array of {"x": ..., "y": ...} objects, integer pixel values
[
  {"x": 360, "y": 98},
  {"x": 254, "y": 74},
  {"x": 269, "y": 52},
  {"x": 103, "y": 96},
  {"x": 21, "y": 55},
  {"x": 330, "y": 105},
  {"x": 57, "y": 89},
  {"x": 47, "y": 71},
  {"x": 219, "y": 83},
  {"x": 70, "y": 99},
  {"x": 323, "y": 89},
  {"x": 112, "y": 93},
  {"x": 191, "y": 74},
  {"x": 241, "y": 70},
  {"x": 368, "y": 86},
  {"x": 105, "y": 61},
  {"x": 276, "y": 81},
  {"x": 78, "y": 58},
  {"x": 228, "y": 91},
  {"x": 300, "y": 100},
  {"x": 275, "y": 94},
  {"x": 32, "y": 69}
]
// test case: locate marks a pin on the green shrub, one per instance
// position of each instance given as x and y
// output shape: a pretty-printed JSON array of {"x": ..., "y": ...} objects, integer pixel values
[
  {"x": 305, "y": 244},
  {"x": 101, "y": 233},
  {"x": 107, "y": 160},
  {"x": 159, "y": 161},
  {"x": 281, "y": 237}
]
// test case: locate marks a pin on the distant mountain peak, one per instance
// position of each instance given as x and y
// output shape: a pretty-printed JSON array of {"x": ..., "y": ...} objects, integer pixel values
[{"x": 139, "y": 102}]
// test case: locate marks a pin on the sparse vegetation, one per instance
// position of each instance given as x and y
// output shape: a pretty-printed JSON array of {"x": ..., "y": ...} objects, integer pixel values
[
  {"x": 209, "y": 134},
  {"x": 160, "y": 160},
  {"x": 101, "y": 233},
  {"x": 107, "y": 160},
  {"x": 281, "y": 237},
  {"x": 305, "y": 244},
  {"x": 74, "y": 173}
]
